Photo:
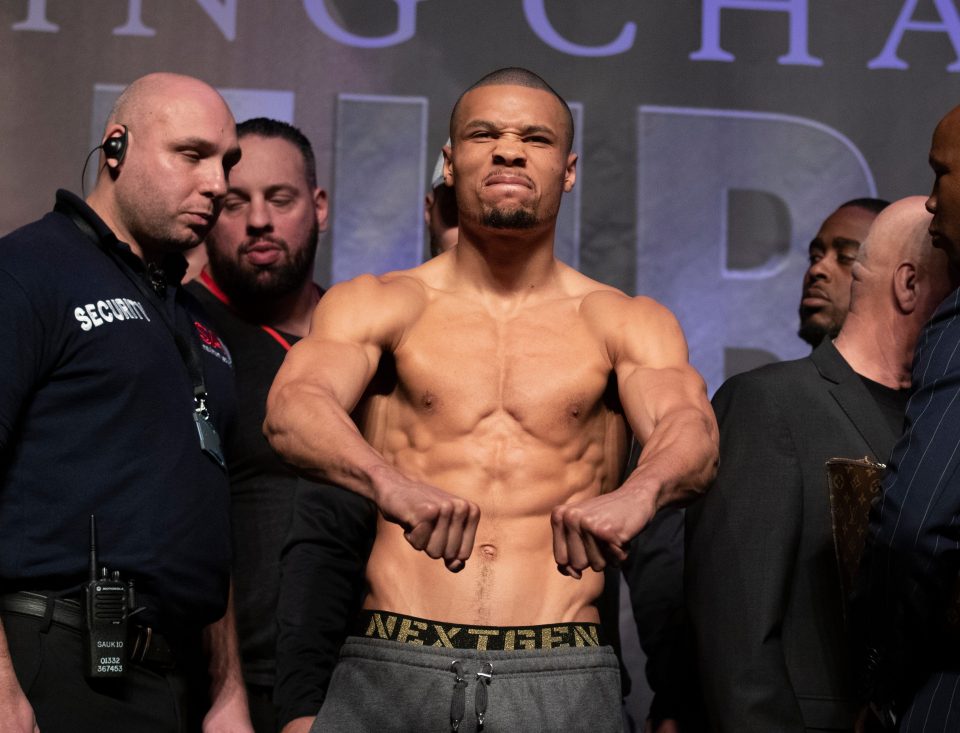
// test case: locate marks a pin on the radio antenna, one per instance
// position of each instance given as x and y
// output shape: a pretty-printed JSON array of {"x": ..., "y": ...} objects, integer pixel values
[{"x": 93, "y": 547}]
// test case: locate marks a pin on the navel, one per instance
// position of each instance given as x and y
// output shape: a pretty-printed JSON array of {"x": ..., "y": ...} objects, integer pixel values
[{"x": 488, "y": 552}]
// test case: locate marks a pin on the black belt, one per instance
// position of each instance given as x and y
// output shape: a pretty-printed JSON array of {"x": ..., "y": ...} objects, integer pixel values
[{"x": 147, "y": 647}]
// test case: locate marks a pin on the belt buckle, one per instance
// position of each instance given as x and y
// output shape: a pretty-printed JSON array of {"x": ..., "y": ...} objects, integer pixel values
[{"x": 141, "y": 644}]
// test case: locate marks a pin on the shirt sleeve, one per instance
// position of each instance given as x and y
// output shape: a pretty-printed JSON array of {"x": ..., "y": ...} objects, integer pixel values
[
  {"x": 914, "y": 541},
  {"x": 321, "y": 589},
  {"x": 654, "y": 574},
  {"x": 20, "y": 356}
]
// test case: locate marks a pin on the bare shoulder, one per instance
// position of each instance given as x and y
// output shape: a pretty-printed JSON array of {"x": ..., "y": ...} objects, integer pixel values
[
  {"x": 371, "y": 308},
  {"x": 636, "y": 328}
]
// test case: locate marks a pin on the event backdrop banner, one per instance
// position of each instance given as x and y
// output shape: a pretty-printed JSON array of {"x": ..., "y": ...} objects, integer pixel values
[{"x": 714, "y": 135}]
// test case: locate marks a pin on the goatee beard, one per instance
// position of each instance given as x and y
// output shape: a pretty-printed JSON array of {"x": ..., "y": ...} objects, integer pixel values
[
  {"x": 814, "y": 333},
  {"x": 509, "y": 219}
]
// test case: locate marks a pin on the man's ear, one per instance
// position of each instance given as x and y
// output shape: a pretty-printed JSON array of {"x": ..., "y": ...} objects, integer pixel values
[
  {"x": 322, "y": 207},
  {"x": 114, "y": 145},
  {"x": 447, "y": 164},
  {"x": 570, "y": 174},
  {"x": 905, "y": 286},
  {"x": 427, "y": 205}
]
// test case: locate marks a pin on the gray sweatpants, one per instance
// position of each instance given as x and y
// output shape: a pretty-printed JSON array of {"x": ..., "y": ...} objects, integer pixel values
[{"x": 382, "y": 685}]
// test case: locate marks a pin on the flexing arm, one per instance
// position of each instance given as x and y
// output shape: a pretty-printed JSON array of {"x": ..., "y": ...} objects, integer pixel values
[
  {"x": 665, "y": 401},
  {"x": 666, "y": 404},
  {"x": 322, "y": 379}
]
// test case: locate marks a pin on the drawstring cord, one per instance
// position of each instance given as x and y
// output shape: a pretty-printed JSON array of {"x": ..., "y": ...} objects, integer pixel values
[
  {"x": 484, "y": 677},
  {"x": 458, "y": 702}
]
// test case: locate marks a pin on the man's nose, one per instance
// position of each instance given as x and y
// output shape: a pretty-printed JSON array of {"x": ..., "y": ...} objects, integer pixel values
[
  {"x": 819, "y": 269},
  {"x": 214, "y": 183},
  {"x": 258, "y": 216},
  {"x": 509, "y": 151}
]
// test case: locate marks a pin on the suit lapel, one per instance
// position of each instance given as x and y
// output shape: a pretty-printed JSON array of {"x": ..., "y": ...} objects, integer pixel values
[{"x": 855, "y": 400}]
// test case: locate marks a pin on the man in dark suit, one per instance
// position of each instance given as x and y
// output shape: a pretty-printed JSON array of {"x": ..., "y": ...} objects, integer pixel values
[
  {"x": 914, "y": 558},
  {"x": 762, "y": 582}
]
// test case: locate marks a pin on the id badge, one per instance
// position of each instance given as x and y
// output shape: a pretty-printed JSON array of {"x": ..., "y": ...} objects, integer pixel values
[{"x": 209, "y": 440}]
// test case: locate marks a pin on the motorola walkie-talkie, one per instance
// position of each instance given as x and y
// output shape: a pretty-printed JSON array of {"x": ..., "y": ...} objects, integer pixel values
[{"x": 105, "y": 612}]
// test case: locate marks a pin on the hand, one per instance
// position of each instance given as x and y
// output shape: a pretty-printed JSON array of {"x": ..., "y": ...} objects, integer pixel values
[
  {"x": 667, "y": 725},
  {"x": 595, "y": 533},
  {"x": 229, "y": 715},
  {"x": 298, "y": 725},
  {"x": 869, "y": 721},
  {"x": 16, "y": 713},
  {"x": 438, "y": 523},
  {"x": 860, "y": 726}
]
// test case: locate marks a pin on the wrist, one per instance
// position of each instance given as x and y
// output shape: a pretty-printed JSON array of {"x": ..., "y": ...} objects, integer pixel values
[
  {"x": 382, "y": 478},
  {"x": 8, "y": 677},
  {"x": 10, "y": 688},
  {"x": 637, "y": 504},
  {"x": 642, "y": 492}
]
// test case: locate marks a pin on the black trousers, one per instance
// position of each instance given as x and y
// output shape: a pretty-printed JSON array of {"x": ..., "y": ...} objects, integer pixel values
[{"x": 48, "y": 660}]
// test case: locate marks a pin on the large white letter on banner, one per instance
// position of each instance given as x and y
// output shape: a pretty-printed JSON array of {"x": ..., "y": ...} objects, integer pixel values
[
  {"x": 222, "y": 12},
  {"x": 380, "y": 170},
  {"x": 888, "y": 58},
  {"x": 710, "y": 32},
  {"x": 134, "y": 25},
  {"x": 406, "y": 25},
  {"x": 36, "y": 19},
  {"x": 536, "y": 13},
  {"x": 689, "y": 161}
]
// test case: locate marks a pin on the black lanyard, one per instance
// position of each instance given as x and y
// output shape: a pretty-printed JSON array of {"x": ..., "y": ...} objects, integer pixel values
[{"x": 186, "y": 342}]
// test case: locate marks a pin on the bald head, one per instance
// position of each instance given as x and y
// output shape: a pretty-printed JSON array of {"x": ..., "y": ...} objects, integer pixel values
[
  {"x": 517, "y": 76},
  {"x": 163, "y": 194},
  {"x": 899, "y": 279},
  {"x": 151, "y": 96},
  {"x": 900, "y": 233},
  {"x": 898, "y": 250}
]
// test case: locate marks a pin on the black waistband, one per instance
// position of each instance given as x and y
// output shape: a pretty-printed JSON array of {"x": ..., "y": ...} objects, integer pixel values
[{"x": 425, "y": 632}]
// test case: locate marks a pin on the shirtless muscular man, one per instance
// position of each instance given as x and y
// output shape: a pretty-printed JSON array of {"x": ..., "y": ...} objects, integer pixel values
[{"x": 492, "y": 390}]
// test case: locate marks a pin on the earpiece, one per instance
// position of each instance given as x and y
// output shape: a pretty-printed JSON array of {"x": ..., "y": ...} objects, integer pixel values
[{"x": 114, "y": 148}]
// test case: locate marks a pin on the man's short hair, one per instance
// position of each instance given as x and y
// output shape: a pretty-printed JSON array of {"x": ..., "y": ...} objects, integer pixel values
[
  {"x": 266, "y": 127},
  {"x": 873, "y": 205},
  {"x": 517, "y": 76}
]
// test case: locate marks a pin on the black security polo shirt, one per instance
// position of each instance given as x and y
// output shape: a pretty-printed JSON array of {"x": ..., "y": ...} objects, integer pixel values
[{"x": 96, "y": 417}]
